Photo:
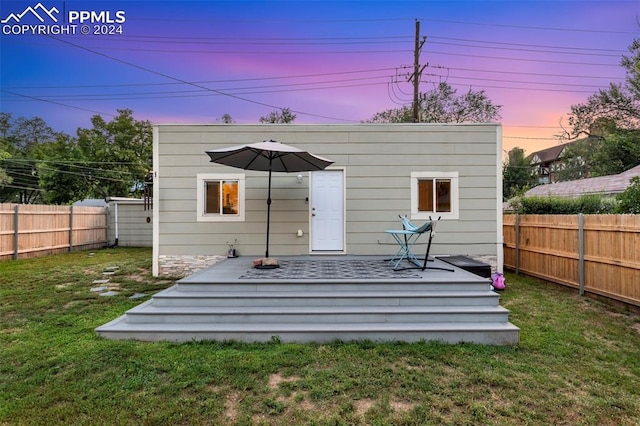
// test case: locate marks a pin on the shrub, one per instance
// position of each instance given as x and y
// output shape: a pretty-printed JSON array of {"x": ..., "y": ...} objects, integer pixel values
[
  {"x": 629, "y": 200},
  {"x": 586, "y": 204}
]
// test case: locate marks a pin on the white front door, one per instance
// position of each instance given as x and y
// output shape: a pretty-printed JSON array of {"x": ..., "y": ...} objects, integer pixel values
[{"x": 327, "y": 210}]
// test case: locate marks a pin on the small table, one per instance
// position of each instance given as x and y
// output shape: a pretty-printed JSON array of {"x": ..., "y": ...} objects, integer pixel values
[{"x": 405, "y": 239}]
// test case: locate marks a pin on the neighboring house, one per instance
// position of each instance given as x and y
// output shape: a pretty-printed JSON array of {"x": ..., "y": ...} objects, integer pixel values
[
  {"x": 380, "y": 171},
  {"x": 547, "y": 162},
  {"x": 605, "y": 185}
]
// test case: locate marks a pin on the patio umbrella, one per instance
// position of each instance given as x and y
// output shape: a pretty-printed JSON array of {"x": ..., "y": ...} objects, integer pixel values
[{"x": 268, "y": 156}]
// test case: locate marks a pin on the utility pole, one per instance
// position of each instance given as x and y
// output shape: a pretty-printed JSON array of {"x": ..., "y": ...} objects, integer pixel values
[{"x": 417, "y": 73}]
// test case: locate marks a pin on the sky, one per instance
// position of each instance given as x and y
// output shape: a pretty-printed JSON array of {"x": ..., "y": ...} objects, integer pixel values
[{"x": 328, "y": 62}]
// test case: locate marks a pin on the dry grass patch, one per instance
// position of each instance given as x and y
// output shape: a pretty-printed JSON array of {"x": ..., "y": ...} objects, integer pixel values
[
  {"x": 361, "y": 406},
  {"x": 401, "y": 406},
  {"x": 231, "y": 404},
  {"x": 275, "y": 379}
]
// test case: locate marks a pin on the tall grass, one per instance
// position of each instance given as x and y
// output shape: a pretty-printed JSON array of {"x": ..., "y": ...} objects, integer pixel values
[{"x": 578, "y": 362}]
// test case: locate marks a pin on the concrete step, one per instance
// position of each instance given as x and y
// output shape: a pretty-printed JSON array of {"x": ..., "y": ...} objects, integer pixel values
[
  {"x": 174, "y": 297},
  {"x": 337, "y": 286},
  {"x": 482, "y": 333},
  {"x": 148, "y": 313}
]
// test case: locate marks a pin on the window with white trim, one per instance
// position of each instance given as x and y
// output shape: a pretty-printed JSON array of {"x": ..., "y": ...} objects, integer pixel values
[
  {"x": 434, "y": 194},
  {"x": 220, "y": 197}
]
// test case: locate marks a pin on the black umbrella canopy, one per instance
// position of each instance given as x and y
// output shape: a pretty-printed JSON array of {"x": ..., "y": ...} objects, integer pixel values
[{"x": 268, "y": 156}]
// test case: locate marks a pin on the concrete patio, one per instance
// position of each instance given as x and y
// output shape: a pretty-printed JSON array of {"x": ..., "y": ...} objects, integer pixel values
[{"x": 321, "y": 299}]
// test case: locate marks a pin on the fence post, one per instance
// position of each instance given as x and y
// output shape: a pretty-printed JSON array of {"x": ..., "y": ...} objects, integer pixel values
[
  {"x": 16, "y": 232},
  {"x": 517, "y": 231},
  {"x": 581, "y": 253},
  {"x": 71, "y": 228}
]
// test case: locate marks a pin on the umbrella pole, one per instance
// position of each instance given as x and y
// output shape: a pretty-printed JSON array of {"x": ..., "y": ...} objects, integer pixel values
[{"x": 268, "y": 210}]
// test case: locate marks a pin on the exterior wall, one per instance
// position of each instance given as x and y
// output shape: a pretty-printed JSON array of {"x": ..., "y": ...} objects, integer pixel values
[
  {"x": 133, "y": 228},
  {"x": 377, "y": 161}
]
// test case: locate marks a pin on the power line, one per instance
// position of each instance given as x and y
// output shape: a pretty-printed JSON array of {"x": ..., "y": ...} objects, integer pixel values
[
  {"x": 54, "y": 102},
  {"x": 526, "y": 50},
  {"x": 520, "y": 45},
  {"x": 235, "y": 80},
  {"x": 502, "y": 58},
  {"x": 254, "y": 52},
  {"x": 246, "y": 91},
  {"x": 67, "y": 96},
  {"x": 518, "y": 81},
  {"x": 529, "y": 73},
  {"x": 193, "y": 84},
  {"x": 527, "y": 27}
]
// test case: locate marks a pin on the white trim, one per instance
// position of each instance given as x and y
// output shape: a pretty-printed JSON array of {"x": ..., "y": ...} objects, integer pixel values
[
  {"x": 201, "y": 178},
  {"x": 455, "y": 195},
  {"x": 499, "y": 233},
  {"x": 155, "y": 244}
]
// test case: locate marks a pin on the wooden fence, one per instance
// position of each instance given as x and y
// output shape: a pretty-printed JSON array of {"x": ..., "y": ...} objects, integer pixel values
[
  {"x": 28, "y": 230},
  {"x": 598, "y": 254}
]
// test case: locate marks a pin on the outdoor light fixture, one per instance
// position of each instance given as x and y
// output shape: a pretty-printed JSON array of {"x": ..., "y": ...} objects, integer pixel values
[{"x": 299, "y": 178}]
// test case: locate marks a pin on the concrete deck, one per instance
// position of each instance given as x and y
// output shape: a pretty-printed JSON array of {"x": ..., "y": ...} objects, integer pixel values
[
  {"x": 346, "y": 268},
  {"x": 320, "y": 299}
]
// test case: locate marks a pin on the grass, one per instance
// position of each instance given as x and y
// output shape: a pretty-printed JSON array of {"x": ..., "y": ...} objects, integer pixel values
[{"x": 578, "y": 363}]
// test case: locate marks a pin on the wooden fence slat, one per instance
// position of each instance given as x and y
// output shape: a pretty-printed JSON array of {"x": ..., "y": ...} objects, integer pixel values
[
  {"x": 604, "y": 260},
  {"x": 36, "y": 230}
]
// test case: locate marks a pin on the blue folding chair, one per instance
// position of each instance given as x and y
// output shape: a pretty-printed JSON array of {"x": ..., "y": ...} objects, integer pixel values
[{"x": 407, "y": 238}]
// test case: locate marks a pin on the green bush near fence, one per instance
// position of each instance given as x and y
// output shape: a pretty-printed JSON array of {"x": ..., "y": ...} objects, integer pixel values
[
  {"x": 629, "y": 200},
  {"x": 586, "y": 204}
]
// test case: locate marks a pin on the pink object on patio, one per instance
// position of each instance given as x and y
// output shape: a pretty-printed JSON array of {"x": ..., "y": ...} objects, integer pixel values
[{"x": 497, "y": 281}]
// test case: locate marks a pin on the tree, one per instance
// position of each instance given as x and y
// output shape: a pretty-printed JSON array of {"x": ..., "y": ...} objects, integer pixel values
[
  {"x": 618, "y": 152},
  {"x": 227, "y": 119},
  {"x": 611, "y": 120},
  {"x": 629, "y": 200},
  {"x": 577, "y": 159},
  {"x": 517, "y": 174},
  {"x": 443, "y": 105},
  {"x": 21, "y": 147},
  {"x": 109, "y": 159},
  {"x": 64, "y": 178},
  {"x": 117, "y": 155},
  {"x": 5, "y": 120},
  {"x": 619, "y": 103},
  {"x": 284, "y": 116}
]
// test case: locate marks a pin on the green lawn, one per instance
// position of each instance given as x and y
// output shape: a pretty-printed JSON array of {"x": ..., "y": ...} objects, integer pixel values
[{"x": 578, "y": 362}]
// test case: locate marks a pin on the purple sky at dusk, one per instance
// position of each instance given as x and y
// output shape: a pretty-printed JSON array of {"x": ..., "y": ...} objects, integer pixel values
[{"x": 330, "y": 62}]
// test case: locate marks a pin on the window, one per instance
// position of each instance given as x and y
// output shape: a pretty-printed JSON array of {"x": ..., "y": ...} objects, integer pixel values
[
  {"x": 220, "y": 197},
  {"x": 434, "y": 194}
]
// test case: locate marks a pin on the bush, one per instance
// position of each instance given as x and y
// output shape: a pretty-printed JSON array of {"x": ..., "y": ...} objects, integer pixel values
[
  {"x": 629, "y": 200},
  {"x": 586, "y": 204}
]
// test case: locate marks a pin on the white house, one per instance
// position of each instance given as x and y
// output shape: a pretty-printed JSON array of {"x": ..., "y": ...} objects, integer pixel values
[{"x": 380, "y": 171}]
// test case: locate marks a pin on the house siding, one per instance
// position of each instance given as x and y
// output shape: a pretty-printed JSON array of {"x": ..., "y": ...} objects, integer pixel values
[
  {"x": 133, "y": 228},
  {"x": 377, "y": 161}
]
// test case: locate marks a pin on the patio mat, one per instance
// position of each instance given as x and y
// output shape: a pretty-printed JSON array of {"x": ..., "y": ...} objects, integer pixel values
[{"x": 330, "y": 270}]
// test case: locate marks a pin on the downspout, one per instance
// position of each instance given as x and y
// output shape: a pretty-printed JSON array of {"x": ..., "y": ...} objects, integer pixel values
[{"x": 115, "y": 243}]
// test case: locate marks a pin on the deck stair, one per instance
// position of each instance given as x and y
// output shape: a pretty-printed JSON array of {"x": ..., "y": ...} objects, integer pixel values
[{"x": 217, "y": 304}]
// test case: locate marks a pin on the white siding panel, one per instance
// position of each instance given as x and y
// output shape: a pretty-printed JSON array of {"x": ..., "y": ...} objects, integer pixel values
[{"x": 378, "y": 161}]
